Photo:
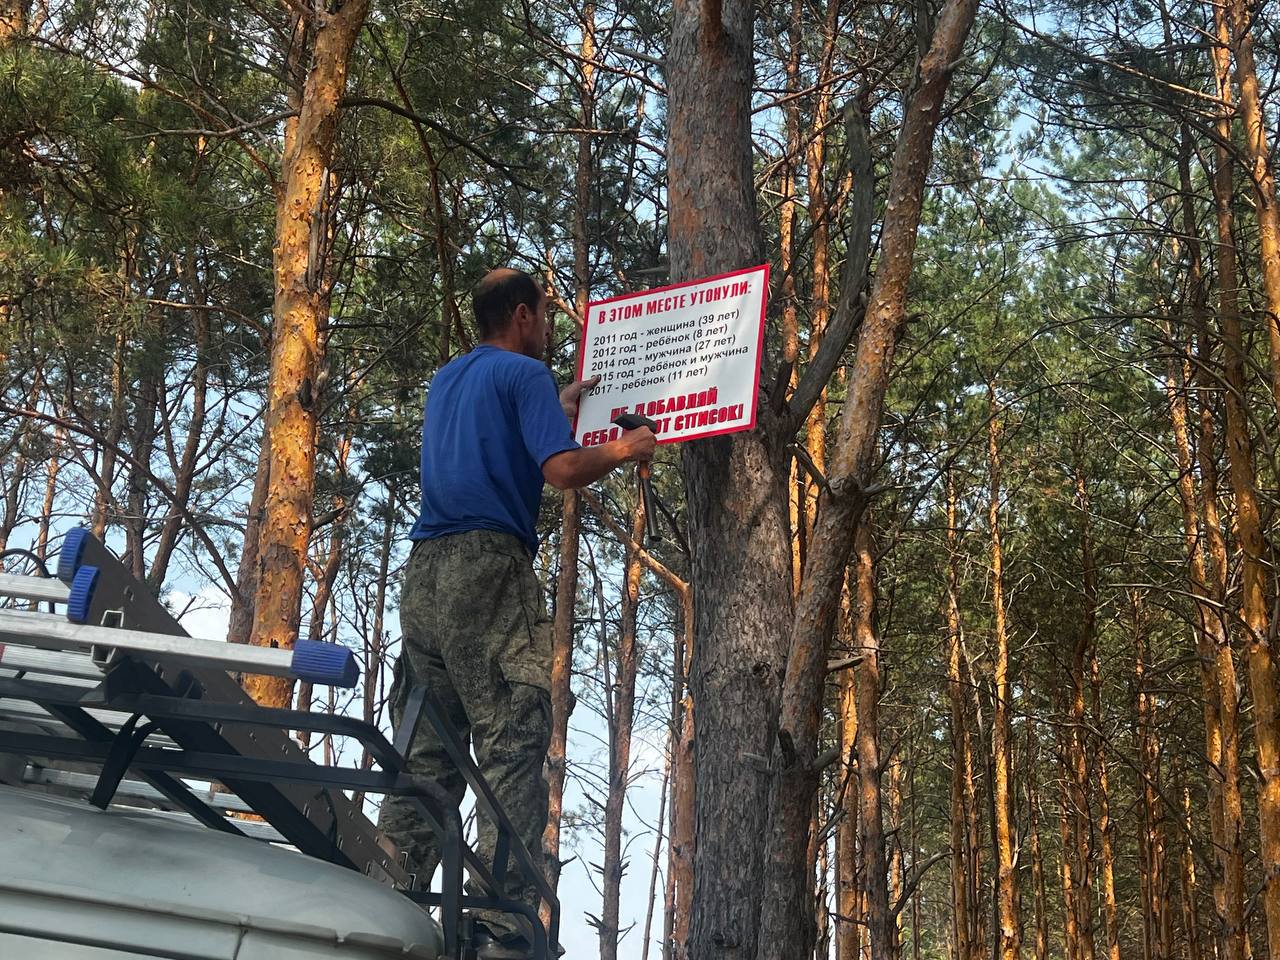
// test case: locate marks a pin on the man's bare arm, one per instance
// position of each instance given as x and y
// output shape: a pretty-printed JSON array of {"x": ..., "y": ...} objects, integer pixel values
[{"x": 572, "y": 469}]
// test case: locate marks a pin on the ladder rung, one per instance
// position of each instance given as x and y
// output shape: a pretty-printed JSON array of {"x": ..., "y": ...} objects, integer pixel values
[
  {"x": 51, "y": 663},
  {"x": 32, "y": 588},
  {"x": 52, "y": 632}
]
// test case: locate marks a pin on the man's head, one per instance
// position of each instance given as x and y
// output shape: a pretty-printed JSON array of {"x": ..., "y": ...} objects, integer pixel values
[{"x": 511, "y": 311}]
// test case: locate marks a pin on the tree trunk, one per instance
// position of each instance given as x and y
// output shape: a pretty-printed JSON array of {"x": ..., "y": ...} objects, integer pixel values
[
  {"x": 1217, "y": 667},
  {"x": 1082, "y": 820},
  {"x": 735, "y": 487},
  {"x": 142, "y": 446},
  {"x": 14, "y": 489},
  {"x": 962, "y": 879},
  {"x": 657, "y": 859},
  {"x": 50, "y": 492},
  {"x": 875, "y": 857},
  {"x": 897, "y": 862},
  {"x": 184, "y": 469},
  {"x": 1106, "y": 829},
  {"x": 683, "y": 789},
  {"x": 1191, "y": 921},
  {"x": 1010, "y": 946},
  {"x": 821, "y": 212},
  {"x": 822, "y": 944},
  {"x": 323, "y": 598},
  {"x": 561, "y": 682},
  {"x": 13, "y": 495},
  {"x": 1209, "y": 626},
  {"x": 13, "y": 20},
  {"x": 301, "y": 309},
  {"x": 1037, "y": 874},
  {"x": 787, "y": 287},
  {"x": 1154, "y": 860},
  {"x": 115, "y": 430},
  {"x": 562, "y": 701},
  {"x": 1254, "y": 613},
  {"x": 624, "y": 699},
  {"x": 376, "y": 643},
  {"x": 848, "y": 929},
  {"x": 782, "y": 919},
  {"x": 240, "y": 620},
  {"x": 1070, "y": 940},
  {"x": 1240, "y": 473},
  {"x": 1257, "y": 157}
]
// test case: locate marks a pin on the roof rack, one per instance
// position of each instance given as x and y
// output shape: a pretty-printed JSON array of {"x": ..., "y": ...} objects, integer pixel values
[{"x": 146, "y": 714}]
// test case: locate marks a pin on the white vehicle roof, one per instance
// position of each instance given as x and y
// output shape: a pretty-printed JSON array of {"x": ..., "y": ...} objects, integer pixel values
[{"x": 78, "y": 883}]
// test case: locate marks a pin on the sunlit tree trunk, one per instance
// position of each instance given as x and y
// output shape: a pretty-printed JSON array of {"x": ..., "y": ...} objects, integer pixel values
[
  {"x": 1254, "y": 611},
  {"x": 1241, "y": 16},
  {"x": 1010, "y": 946},
  {"x": 1191, "y": 922},
  {"x": 13, "y": 20},
  {"x": 1106, "y": 827},
  {"x": 1070, "y": 939},
  {"x": 897, "y": 862},
  {"x": 1240, "y": 478},
  {"x": 1208, "y": 582},
  {"x": 304, "y": 231},
  {"x": 821, "y": 213},
  {"x": 1209, "y": 627},
  {"x": 787, "y": 215},
  {"x": 1082, "y": 818}
]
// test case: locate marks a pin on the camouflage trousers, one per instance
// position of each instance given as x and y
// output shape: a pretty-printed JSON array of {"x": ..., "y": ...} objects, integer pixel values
[{"x": 475, "y": 630}]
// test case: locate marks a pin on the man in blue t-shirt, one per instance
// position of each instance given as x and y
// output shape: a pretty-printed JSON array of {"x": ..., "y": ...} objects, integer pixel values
[{"x": 472, "y": 616}]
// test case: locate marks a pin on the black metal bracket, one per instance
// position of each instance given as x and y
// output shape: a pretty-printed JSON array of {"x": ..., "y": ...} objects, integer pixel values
[{"x": 124, "y": 746}]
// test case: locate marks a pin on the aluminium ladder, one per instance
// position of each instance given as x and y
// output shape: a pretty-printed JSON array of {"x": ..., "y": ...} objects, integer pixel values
[{"x": 113, "y": 687}]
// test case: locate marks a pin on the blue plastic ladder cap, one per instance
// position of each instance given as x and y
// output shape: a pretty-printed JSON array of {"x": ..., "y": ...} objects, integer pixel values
[
  {"x": 81, "y": 596},
  {"x": 322, "y": 662},
  {"x": 73, "y": 545}
]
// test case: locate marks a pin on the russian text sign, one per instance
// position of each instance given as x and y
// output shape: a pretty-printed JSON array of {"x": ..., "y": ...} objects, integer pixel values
[{"x": 685, "y": 356}]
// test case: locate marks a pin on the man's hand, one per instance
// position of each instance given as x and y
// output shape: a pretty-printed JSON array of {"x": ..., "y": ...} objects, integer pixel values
[
  {"x": 637, "y": 444},
  {"x": 572, "y": 394},
  {"x": 571, "y": 469}
]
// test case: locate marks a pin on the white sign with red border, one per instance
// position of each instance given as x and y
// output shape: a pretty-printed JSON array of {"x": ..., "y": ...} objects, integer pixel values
[{"x": 686, "y": 356}]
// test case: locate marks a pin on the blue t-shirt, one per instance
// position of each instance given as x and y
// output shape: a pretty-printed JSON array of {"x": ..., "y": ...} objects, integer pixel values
[{"x": 492, "y": 419}]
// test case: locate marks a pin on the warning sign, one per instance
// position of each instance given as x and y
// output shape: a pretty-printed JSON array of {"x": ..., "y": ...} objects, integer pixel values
[{"x": 685, "y": 356}]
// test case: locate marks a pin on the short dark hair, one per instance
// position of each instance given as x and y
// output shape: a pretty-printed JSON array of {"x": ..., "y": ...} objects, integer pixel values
[{"x": 497, "y": 295}]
